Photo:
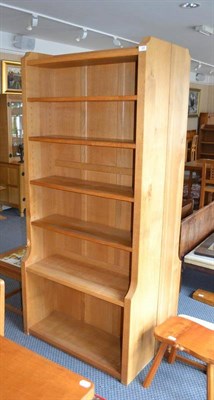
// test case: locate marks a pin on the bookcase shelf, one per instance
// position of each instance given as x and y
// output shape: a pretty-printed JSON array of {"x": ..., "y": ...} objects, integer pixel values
[
  {"x": 85, "y": 278},
  {"x": 84, "y": 141},
  {"x": 86, "y": 230},
  {"x": 81, "y": 340},
  {"x": 105, "y": 147},
  {"x": 98, "y": 189}
]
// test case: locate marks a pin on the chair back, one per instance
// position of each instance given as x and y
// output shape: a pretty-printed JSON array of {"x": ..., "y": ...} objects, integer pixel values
[
  {"x": 194, "y": 148},
  {"x": 2, "y": 306},
  {"x": 207, "y": 180}
]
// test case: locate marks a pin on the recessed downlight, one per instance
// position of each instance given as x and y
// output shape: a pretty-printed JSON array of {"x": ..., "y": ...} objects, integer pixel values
[{"x": 189, "y": 5}]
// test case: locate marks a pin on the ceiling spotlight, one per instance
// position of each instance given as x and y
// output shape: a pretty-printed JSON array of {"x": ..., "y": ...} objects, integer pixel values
[
  {"x": 198, "y": 66},
  {"x": 117, "y": 42},
  {"x": 205, "y": 30},
  {"x": 33, "y": 23},
  {"x": 189, "y": 5},
  {"x": 83, "y": 35}
]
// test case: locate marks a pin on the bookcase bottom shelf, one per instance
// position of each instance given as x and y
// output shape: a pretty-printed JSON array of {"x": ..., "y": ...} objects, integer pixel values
[{"x": 90, "y": 344}]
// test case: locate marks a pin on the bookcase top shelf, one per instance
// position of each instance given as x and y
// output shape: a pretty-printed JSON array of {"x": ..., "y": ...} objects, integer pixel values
[{"x": 86, "y": 59}]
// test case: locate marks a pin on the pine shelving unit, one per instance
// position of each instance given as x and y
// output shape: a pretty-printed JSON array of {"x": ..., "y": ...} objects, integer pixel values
[{"x": 105, "y": 148}]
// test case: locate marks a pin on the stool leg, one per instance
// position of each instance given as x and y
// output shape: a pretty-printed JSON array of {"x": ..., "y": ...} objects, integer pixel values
[
  {"x": 155, "y": 365},
  {"x": 210, "y": 381},
  {"x": 172, "y": 355}
]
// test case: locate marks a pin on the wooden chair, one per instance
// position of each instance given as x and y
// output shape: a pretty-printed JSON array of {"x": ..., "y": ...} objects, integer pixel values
[
  {"x": 194, "y": 148},
  {"x": 2, "y": 306},
  {"x": 184, "y": 334},
  {"x": 207, "y": 182}
]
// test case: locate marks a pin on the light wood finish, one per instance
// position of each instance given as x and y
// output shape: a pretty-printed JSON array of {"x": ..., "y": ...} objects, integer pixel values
[
  {"x": 29, "y": 376},
  {"x": 206, "y": 142},
  {"x": 98, "y": 189},
  {"x": 102, "y": 155},
  {"x": 2, "y": 306},
  {"x": 207, "y": 182},
  {"x": 188, "y": 336},
  {"x": 85, "y": 278},
  {"x": 12, "y": 177}
]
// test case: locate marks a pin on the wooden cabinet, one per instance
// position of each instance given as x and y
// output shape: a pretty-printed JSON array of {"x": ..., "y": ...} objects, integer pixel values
[
  {"x": 105, "y": 140},
  {"x": 12, "y": 178},
  {"x": 206, "y": 142},
  {"x": 11, "y": 138}
]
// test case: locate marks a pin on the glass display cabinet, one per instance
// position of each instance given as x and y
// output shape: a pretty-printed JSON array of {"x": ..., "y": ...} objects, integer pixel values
[{"x": 11, "y": 152}]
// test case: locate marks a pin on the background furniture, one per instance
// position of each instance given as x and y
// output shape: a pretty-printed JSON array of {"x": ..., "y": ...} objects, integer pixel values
[
  {"x": 11, "y": 138},
  {"x": 105, "y": 147},
  {"x": 207, "y": 182},
  {"x": 11, "y": 271},
  {"x": 186, "y": 335},
  {"x": 2, "y": 306},
  {"x": 12, "y": 177},
  {"x": 194, "y": 229},
  {"x": 206, "y": 142},
  {"x": 206, "y": 118},
  {"x": 31, "y": 377}
]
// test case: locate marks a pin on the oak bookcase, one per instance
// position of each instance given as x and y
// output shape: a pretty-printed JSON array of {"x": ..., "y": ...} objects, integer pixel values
[{"x": 105, "y": 136}]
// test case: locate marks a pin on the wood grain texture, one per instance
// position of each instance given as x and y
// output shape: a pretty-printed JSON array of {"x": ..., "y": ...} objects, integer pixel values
[
  {"x": 87, "y": 187},
  {"x": 87, "y": 278},
  {"x": 84, "y": 141},
  {"x": 86, "y": 230},
  {"x": 31, "y": 376}
]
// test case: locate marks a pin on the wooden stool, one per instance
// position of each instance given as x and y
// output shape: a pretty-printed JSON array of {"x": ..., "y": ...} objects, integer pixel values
[{"x": 185, "y": 334}]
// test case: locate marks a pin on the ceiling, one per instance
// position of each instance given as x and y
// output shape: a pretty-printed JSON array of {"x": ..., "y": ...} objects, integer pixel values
[{"x": 130, "y": 19}]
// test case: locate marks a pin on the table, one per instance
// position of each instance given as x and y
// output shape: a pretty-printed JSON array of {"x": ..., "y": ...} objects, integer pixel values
[
  {"x": 25, "y": 375},
  {"x": 12, "y": 271},
  {"x": 203, "y": 261}
]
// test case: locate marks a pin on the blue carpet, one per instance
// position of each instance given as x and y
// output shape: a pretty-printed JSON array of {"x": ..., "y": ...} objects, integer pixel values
[{"x": 172, "y": 382}]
